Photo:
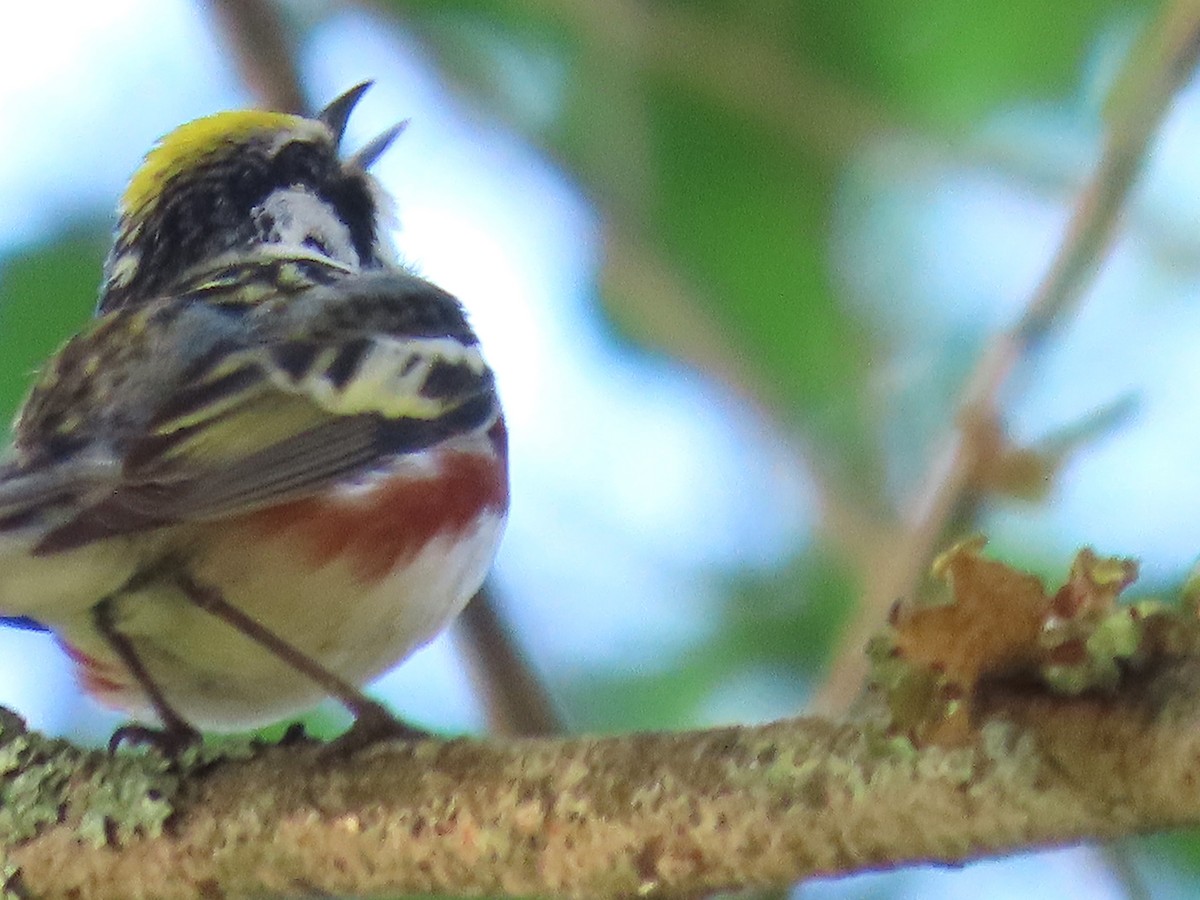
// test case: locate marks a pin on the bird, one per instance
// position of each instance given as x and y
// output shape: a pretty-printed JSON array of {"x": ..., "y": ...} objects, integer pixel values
[{"x": 274, "y": 463}]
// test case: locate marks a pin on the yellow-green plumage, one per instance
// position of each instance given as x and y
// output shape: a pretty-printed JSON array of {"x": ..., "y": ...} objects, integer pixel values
[{"x": 196, "y": 390}]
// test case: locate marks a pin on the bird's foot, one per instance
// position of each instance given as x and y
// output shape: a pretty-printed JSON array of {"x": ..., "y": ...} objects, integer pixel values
[
  {"x": 374, "y": 724},
  {"x": 171, "y": 742}
]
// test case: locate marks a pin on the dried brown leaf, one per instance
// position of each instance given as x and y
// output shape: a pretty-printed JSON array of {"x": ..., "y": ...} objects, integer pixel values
[{"x": 995, "y": 621}]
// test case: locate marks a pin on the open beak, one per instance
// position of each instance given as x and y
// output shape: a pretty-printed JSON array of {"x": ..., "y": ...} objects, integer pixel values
[
  {"x": 374, "y": 149},
  {"x": 337, "y": 113}
]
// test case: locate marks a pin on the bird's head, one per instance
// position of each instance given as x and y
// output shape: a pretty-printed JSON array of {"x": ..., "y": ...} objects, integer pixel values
[{"x": 245, "y": 182}]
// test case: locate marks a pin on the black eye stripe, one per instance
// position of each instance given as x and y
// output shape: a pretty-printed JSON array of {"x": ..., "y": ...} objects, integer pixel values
[
  {"x": 356, "y": 207},
  {"x": 302, "y": 162}
]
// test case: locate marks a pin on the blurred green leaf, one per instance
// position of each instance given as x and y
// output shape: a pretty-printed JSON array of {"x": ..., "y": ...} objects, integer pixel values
[
  {"x": 747, "y": 220},
  {"x": 46, "y": 294},
  {"x": 785, "y": 618},
  {"x": 734, "y": 207},
  {"x": 1181, "y": 848},
  {"x": 481, "y": 43},
  {"x": 647, "y": 699},
  {"x": 775, "y": 624},
  {"x": 943, "y": 60}
]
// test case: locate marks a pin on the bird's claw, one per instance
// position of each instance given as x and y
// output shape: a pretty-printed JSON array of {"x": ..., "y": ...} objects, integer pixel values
[
  {"x": 170, "y": 742},
  {"x": 374, "y": 725}
]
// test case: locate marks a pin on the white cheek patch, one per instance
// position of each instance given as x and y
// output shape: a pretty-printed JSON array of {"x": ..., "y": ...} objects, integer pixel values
[{"x": 296, "y": 217}]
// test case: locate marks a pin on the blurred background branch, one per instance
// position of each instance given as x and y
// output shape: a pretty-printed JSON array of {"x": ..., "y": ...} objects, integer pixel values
[{"x": 261, "y": 48}]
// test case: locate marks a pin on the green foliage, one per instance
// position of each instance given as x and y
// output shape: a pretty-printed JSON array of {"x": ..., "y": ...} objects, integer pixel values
[
  {"x": 785, "y": 619},
  {"x": 46, "y": 294},
  {"x": 747, "y": 220},
  {"x": 716, "y": 133},
  {"x": 777, "y": 624},
  {"x": 952, "y": 62}
]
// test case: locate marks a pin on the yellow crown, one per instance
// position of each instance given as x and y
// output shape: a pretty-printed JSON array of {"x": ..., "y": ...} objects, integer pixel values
[{"x": 186, "y": 146}]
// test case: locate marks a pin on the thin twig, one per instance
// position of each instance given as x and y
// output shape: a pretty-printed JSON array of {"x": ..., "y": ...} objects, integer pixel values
[
  {"x": 264, "y": 51},
  {"x": 946, "y": 486}
]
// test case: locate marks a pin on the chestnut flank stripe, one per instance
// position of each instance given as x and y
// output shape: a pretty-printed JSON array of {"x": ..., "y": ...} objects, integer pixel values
[{"x": 387, "y": 526}]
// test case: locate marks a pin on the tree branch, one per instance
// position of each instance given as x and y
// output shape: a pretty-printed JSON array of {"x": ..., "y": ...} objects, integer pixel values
[
  {"x": 648, "y": 814},
  {"x": 516, "y": 701}
]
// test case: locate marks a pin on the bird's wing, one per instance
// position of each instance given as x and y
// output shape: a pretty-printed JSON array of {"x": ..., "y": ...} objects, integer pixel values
[{"x": 325, "y": 386}]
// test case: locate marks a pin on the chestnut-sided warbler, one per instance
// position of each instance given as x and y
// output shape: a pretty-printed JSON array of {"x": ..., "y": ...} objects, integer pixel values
[{"x": 275, "y": 463}]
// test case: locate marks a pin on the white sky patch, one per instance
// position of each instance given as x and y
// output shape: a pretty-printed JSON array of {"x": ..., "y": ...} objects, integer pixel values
[
  {"x": 36, "y": 680},
  {"x": 1068, "y": 874}
]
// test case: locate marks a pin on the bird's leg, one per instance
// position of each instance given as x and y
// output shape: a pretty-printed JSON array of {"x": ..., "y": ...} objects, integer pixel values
[
  {"x": 175, "y": 734},
  {"x": 373, "y": 722}
]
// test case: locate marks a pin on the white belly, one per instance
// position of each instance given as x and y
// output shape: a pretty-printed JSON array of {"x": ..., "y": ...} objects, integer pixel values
[{"x": 216, "y": 678}]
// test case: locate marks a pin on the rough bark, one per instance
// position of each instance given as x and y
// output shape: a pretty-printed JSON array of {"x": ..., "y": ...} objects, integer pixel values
[{"x": 636, "y": 815}]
